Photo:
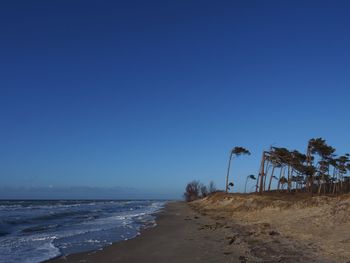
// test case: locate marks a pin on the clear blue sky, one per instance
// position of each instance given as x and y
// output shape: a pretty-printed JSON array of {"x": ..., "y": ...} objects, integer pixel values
[{"x": 153, "y": 94}]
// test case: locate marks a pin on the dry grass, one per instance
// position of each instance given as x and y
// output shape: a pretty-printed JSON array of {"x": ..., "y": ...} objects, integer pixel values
[{"x": 322, "y": 223}]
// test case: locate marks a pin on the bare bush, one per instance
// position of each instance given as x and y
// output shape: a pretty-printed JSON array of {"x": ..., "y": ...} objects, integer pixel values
[
  {"x": 195, "y": 190},
  {"x": 192, "y": 191}
]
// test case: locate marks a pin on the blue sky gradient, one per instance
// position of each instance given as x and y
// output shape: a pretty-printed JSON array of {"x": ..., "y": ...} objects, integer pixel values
[{"x": 153, "y": 94}]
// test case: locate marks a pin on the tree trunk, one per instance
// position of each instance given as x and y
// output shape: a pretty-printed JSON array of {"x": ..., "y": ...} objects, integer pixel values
[
  {"x": 289, "y": 179},
  {"x": 267, "y": 165},
  {"x": 245, "y": 187},
  {"x": 271, "y": 177},
  {"x": 279, "y": 179},
  {"x": 262, "y": 172},
  {"x": 321, "y": 184},
  {"x": 308, "y": 163},
  {"x": 312, "y": 183},
  {"x": 228, "y": 172},
  {"x": 340, "y": 187},
  {"x": 334, "y": 185}
]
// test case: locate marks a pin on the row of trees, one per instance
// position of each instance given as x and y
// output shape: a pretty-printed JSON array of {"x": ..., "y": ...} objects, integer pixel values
[{"x": 320, "y": 170}]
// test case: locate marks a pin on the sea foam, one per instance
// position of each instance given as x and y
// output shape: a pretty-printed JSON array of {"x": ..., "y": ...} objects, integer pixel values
[{"x": 34, "y": 231}]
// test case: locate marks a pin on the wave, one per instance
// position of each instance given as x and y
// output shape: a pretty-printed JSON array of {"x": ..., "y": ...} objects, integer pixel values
[
  {"x": 60, "y": 215},
  {"x": 38, "y": 204},
  {"x": 82, "y": 215},
  {"x": 69, "y": 227},
  {"x": 40, "y": 228},
  {"x": 3, "y": 233}
]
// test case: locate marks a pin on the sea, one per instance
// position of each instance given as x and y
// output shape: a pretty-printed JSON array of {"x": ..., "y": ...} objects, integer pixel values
[{"x": 35, "y": 231}]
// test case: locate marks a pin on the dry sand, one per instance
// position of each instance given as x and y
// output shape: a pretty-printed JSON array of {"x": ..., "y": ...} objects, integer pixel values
[
  {"x": 284, "y": 227},
  {"x": 239, "y": 228}
]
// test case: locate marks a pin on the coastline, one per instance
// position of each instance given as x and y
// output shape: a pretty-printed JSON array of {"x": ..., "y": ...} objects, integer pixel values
[
  {"x": 238, "y": 228},
  {"x": 175, "y": 238}
]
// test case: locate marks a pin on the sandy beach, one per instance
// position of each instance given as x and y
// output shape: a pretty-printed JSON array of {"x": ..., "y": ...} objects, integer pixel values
[
  {"x": 180, "y": 236},
  {"x": 239, "y": 228}
]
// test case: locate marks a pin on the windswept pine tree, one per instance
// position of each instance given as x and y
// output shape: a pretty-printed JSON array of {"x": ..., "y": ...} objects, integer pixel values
[
  {"x": 325, "y": 154},
  {"x": 318, "y": 171},
  {"x": 341, "y": 166},
  {"x": 237, "y": 151}
]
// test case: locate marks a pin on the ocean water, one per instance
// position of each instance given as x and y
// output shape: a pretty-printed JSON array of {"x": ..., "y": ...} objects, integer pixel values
[{"x": 34, "y": 231}]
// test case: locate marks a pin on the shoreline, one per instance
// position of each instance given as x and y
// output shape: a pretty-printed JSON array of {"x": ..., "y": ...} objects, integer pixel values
[
  {"x": 177, "y": 237},
  {"x": 157, "y": 214},
  {"x": 237, "y": 228}
]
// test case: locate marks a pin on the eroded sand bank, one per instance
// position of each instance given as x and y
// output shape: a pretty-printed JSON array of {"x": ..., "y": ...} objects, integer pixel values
[{"x": 283, "y": 227}]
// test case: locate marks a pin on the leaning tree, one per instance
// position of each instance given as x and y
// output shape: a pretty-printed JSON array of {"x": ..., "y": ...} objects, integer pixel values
[
  {"x": 237, "y": 151},
  {"x": 252, "y": 177},
  {"x": 341, "y": 166},
  {"x": 319, "y": 170},
  {"x": 326, "y": 155}
]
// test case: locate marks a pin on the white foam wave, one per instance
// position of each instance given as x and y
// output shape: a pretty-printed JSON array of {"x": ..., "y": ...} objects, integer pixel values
[{"x": 123, "y": 219}]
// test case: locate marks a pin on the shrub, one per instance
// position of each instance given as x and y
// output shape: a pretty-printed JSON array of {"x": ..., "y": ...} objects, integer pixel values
[
  {"x": 192, "y": 191},
  {"x": 195, "y": 190}
]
